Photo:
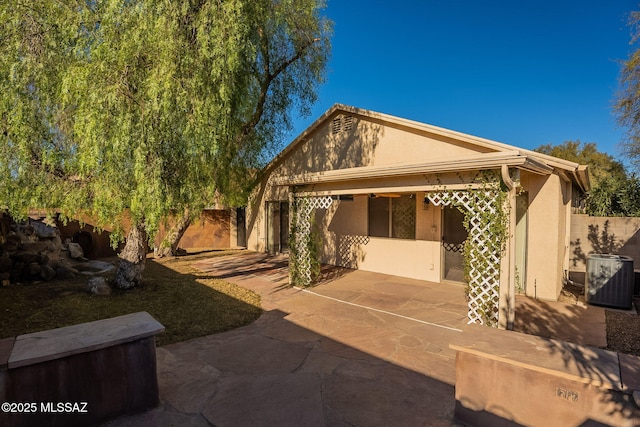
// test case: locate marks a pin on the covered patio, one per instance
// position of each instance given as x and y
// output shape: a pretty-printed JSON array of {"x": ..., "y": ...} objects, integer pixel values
[
  {"x": 397, "y": 298},
  {"x": 379, "y": 193}
]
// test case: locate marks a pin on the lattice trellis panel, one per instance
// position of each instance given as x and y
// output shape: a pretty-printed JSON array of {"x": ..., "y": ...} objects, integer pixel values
[
  {"x": 485, "y": 254},
  {"x": 347, "y": 247},
  {"x": 404, "y": 218},
  {"x": 301, "y": 218}
]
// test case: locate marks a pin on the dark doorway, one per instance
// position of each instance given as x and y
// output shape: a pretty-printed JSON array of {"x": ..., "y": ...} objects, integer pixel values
[
  {"x": 241, "y": 227},
  {"x": 277, "y": 226},
  {"x": 453, "y": 237}
]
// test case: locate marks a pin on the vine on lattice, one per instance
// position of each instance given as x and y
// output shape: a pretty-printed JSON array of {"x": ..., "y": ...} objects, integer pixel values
[
  {"x": 304, "y": 240},
  {"x": 486, "y": 222}
]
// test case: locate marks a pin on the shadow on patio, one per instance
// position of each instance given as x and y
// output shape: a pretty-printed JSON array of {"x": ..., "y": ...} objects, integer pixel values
[{"x": 362, "y": 349}]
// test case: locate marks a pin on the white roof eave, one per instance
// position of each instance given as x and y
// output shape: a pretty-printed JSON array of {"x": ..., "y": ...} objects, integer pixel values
[{"x": 479, "y": 162}]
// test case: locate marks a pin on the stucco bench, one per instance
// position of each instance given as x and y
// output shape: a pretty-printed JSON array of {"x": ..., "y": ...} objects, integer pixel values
[
  {"x": 507, "y": 378},
  {"x": 81, "y": 374}
]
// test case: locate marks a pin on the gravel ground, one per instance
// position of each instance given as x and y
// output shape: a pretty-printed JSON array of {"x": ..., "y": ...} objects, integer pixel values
[
  {"x": 623, "y": 331},
  {"x": 623, "y": 327}
]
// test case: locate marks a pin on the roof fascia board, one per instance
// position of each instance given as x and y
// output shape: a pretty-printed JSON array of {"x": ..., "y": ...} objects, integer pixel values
[
  {"x": 404, "y": 189},
  {"x": 481, "y": 162}
]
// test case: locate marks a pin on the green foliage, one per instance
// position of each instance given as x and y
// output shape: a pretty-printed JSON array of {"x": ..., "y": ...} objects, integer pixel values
[
  {"x": 294, "y": 252},
  {"x": 627, "y": 104},
  {"x": 613, "y": 191},
  {"x": 479, "y": 256},
  {"x": 615, "y": 197},
  {"x": 601, "y": 165},
  {"x": 148, "y": 105}
]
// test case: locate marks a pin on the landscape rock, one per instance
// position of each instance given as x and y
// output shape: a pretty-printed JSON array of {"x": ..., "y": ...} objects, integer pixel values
[
  {"x": 29, "y": 231},
  {"x": 25, "y": 257},
  {"x": 98, "y": 285},
  {"x": 75, "y": 250},
  {"x": 38, "y": 247},
  {"x": 5, "y": 264},
  {"x": 31, "y": 272},
  {"x": 47, "y": 273},
  {"x": 64, "y": 272},
  {"x": 13, "y": 239},
  {"x": 43, "y": 230},
  {"x": 15, "y": 275},
  {"x": 25, "y": 236},
  {"x": 44, "y": 260},
  {"x": 95, "y": 268},
  {"x": 56, "y": 244}
]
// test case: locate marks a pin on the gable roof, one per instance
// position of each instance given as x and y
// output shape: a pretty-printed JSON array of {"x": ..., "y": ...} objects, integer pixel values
[{"x": 517, "y": 156}]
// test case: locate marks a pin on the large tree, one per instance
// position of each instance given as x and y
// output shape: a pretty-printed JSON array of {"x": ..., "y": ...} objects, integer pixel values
[
  {"x": 627, "y": 105},
  {"x": 148, "y": 107},
  {"x": 601, "y": 165},
  {"x": 613, "y": 191}
]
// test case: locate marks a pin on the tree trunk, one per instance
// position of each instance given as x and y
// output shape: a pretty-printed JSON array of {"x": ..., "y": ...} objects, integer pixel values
[
  {"x": 169, "y": 245},
  {"x": 132, "y": 259}
]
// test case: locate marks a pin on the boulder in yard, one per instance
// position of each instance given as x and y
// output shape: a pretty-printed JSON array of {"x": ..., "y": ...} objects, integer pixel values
[
  {"x": 39, "y": 246},
  {"x": 44, "y": 231},
  {"x": 98, "y": 285},
  {"x": 25, "y": 257},
  {"x": 5, "y": 264},
  {"x": 64, "y": 272},
  {"x": 31, "y": 272},
  {"x": 47, "y": 273},
  {"x": 75, "y": 250}
]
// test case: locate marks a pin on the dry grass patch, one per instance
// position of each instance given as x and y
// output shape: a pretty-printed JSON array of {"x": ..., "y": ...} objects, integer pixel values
[{"x": 187, "y": 302}]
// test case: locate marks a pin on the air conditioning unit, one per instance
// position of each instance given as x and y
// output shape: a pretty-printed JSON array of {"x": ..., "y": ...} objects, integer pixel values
[{"x": 609, "y": 281}]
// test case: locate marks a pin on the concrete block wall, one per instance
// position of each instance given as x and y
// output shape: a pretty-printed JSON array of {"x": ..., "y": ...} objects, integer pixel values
[{"x": 614, "y": 235}]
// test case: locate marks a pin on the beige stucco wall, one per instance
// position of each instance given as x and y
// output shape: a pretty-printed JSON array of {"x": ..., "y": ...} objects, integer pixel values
[
  {"x": 547, "y": 241},
  {"x": 616, "y": 235},
  {"x": 370, "y": 142},
  {"x": 346, "y": 242}
]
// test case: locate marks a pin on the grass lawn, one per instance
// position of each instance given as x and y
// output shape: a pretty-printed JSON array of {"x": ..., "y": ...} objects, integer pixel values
[{"x": 186, "y": 301}]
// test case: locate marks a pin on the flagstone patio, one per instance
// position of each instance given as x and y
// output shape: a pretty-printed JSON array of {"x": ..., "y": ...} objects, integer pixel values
[{"x": 360, "y": 349}]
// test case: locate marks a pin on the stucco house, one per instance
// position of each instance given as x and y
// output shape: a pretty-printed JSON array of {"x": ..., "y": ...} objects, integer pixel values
[{"x": 390, "y": 195}]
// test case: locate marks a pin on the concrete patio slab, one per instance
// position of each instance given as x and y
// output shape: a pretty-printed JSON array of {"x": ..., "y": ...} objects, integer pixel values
[{"x": 360, "y": 349}]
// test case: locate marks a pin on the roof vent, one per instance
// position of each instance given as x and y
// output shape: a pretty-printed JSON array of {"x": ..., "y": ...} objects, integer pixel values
[
  {"x": 336, "y": 125},
  {"x": 347, "y": 122},
  {"x": 341, "y": 123}
]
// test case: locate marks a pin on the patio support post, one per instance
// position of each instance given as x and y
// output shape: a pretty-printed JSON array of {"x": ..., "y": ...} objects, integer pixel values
[
  {"x": 484, "y": 257},
  {"x": 292, "y": 200},
  {"x": 301, "y": 248},
  {"x": 508, "y": 290}
]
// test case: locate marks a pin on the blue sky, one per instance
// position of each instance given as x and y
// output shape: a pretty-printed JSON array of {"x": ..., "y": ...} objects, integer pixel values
[{"x": 522, "y": 73}]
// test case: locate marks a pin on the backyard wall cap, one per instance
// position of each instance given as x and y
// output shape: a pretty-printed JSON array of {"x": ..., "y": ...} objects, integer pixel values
[
  {"x": 57, "y": 343},
  {"x": 587, "y": 365}
]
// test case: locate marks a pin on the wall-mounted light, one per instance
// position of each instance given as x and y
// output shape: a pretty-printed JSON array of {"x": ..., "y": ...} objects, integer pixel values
[{"x": 426, "y": 203}]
